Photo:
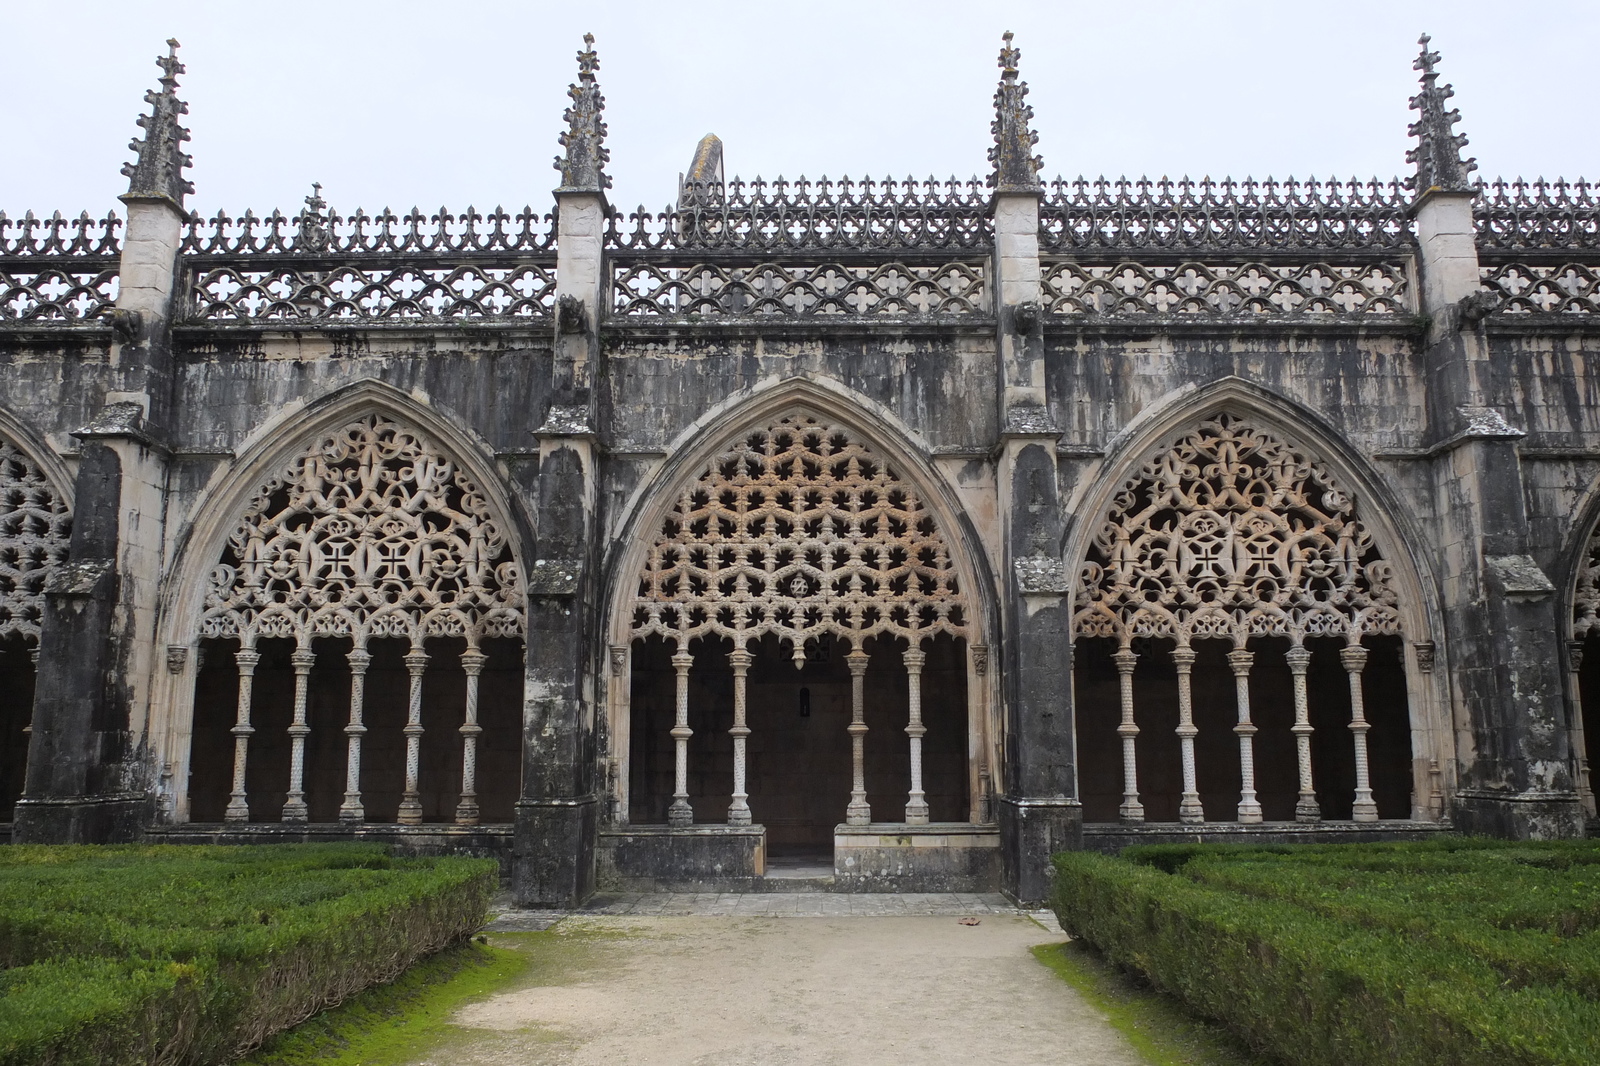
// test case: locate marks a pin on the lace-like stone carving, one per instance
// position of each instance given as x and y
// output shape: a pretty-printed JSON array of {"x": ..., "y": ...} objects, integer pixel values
[
  {"x": 52, "y": 294},
  {"x": 1248, "y": 289},
  {"x": 827, "y": 289},
  {"x": 374, "y": 532},
  {"x": 35, "y": 527},
  {"x": 473, "y": 290},
  {"x": 800, "y": 531},
  {"x": 1233, "y": 532},
  {"x": 1538, "y": 288}
]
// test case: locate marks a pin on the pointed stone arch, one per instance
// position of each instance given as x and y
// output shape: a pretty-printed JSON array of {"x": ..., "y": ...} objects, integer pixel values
[
  {"x": 1580, "y": 620},
  {"x": 739, "y": 470},
  {"x": 35, "y": 537},
  {"x": 364, "y": 516},
  {"x": 1228, "y": 515}
]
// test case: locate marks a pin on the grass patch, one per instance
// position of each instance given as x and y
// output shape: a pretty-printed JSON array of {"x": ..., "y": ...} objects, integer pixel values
[
  {"x": 1158, "y": 1026},
  {"x": 1442, "y": 953},
  {"x": 395, "y": 1022},
  {"x": 195, "y": 954},
  {"x": 413, "y": 1017}
]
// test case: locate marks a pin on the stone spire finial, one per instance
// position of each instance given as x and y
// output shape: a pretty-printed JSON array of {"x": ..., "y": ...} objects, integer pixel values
[
  {"x": 314, "y": 221},
  {"x": 1016, "y": 168},
  {"x": 1438, "y": 151},
  {"x": 583, "y": 168},
  {"x": 158, "y": 170}
]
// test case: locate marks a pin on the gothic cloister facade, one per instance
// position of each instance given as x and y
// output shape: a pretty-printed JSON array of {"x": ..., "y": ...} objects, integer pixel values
[{"x": 923, "y": 527}]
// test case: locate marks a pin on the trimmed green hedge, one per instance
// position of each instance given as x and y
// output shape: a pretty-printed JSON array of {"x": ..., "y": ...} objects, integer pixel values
[
  {"x": 195, "y": 954},
  {"x": 1448, "y": 953}
]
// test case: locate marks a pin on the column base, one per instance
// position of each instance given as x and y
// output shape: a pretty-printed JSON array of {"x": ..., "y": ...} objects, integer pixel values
[
  {"x": 1519, "y": 815},
  {"x": 1032, "y": 830},
  {"x": 553, "y": 851},
  {"x": 80, "y": 820}
]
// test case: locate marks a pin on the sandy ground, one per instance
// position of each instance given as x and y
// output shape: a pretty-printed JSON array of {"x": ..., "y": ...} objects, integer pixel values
[{"x": 732, "y": 991}]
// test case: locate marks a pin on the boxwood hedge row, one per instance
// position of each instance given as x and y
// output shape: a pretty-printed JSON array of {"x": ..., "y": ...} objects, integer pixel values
[
  {"x": 194, "y": 954},
  {"x": 1451, "y": 953}
]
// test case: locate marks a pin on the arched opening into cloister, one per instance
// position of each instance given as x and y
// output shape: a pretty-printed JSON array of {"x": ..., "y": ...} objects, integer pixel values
[
  {"x": 361, "y": 645},
  {"x": 1238, "y": 653},
  {"x": 1583, "y": 660},
  {"x": 35, "y": 531},
  {"x": 799, "y": 647}
]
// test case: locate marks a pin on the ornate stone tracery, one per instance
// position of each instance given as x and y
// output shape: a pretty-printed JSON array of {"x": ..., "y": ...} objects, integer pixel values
[
  {"x": 1233, "y": 532},
  {"x": 799, "y": 530},
  {"x": 1586, "y": 596},
  {"x": 35, "y": 529},
  {"x": 374, "y": 532}
]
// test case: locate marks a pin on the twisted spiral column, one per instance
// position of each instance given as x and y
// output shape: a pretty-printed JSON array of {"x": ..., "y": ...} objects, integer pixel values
[
  {"x": 1189, "y": 808},
  {"x": 416, "y": 661},
  {"x": 916, "y": 802},
  {"x": 858, "y": 812},
  {"x": 1305, "y": 809},
  {"x": 238, "y": 804},
  {"x": 351, "y": 810},
  {"x": 1131, "y": 810},
  {"x": 1354, "y": 658},
  {"x": 472, "y": 661},
  {"x": 294, "y": 804},
  {"x": 1240, "y": 661},
  {"x": 680, "y": 813}
]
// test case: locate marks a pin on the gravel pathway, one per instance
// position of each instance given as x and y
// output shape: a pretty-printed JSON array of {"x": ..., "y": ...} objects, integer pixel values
[{"x": 698, "y": 980}]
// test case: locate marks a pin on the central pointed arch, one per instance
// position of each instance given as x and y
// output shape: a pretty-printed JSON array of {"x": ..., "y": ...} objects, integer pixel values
[{"x": 809, "y": 524}]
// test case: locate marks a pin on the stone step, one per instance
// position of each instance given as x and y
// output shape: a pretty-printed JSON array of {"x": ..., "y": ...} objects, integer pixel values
[{"x": 787, "y": 881}]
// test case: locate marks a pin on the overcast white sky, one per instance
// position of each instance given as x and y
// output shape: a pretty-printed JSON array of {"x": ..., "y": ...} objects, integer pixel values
[{"x": 400, "y": 103}]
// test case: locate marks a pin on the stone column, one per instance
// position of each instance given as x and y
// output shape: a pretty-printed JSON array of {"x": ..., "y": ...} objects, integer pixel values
[
  {"x": 1189, "y": 808},
  {"x": 858, "y": 812},
  {"x": 416, "y": 661},
  {"x": 1305, "y": 809},
  {"x": 351, "y": 810},
  {"x": 472, "y": 661},
  {"x": 1131, "y": 810},
  {"x": 294, "y": 804},
  {"x": 239, "y": 803},
  {"x": 681, "y": 813},
  {"x": 739, "y": 809},
  {"x": 90, "y": 776},
  {"x": 1354, "y": 658},
  {"x": 916, "y": 801},
  {"x": 1249, "y": 806}
]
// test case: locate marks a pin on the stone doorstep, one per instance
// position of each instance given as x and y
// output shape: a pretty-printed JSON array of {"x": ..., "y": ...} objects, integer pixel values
[{"x": 933, "y": 835}]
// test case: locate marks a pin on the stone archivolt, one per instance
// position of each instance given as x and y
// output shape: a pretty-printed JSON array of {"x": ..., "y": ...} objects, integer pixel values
[
  {"x": 373, "y": 532},
  {"x": 35, "y": 527},
  {"x": 798, "y": 530},
  {"x": 1233, "y": 533}
]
